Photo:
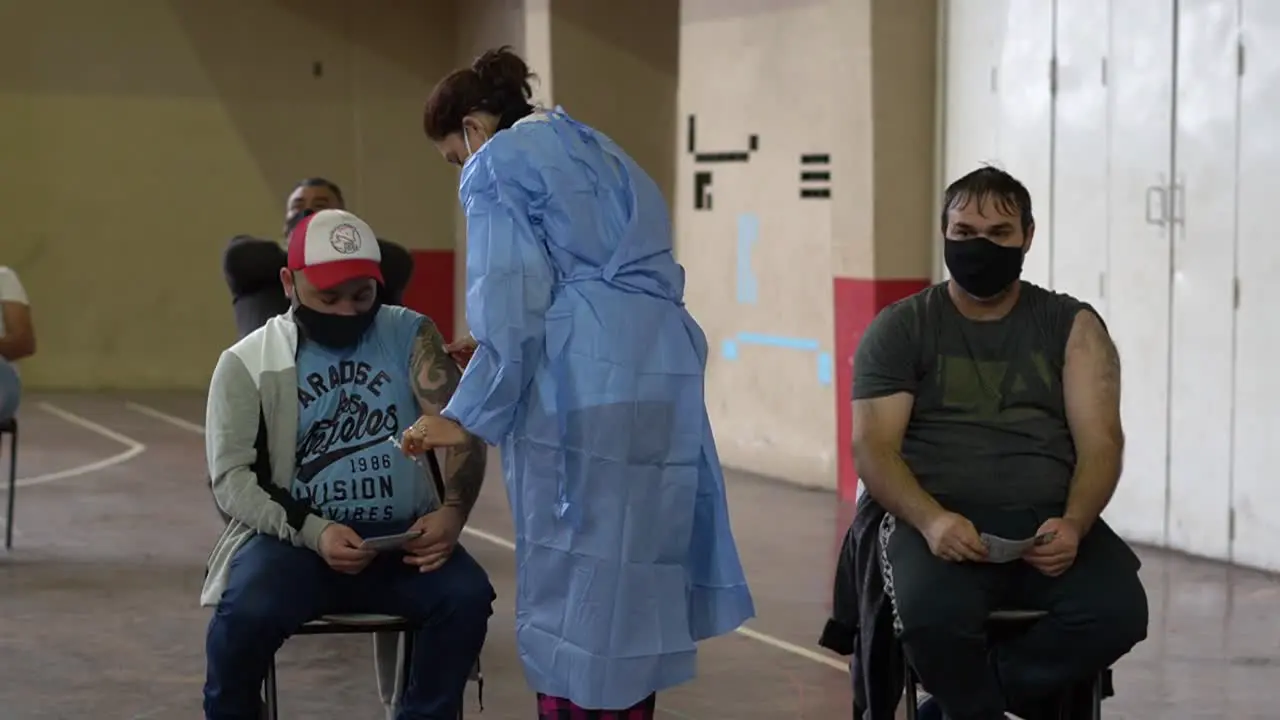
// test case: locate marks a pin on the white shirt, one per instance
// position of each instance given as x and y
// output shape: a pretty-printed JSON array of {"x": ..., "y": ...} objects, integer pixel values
[{"x": 11, "y": 291}]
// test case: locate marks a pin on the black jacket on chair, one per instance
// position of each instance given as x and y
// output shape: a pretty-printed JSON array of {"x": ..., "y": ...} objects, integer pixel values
[{"x": 861, "y": 623}]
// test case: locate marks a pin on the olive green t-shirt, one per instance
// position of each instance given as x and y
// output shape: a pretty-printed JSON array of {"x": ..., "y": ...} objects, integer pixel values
[{"x": 989, "y": 425}]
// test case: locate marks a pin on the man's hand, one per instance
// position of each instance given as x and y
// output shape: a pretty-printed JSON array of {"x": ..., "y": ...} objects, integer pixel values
[
  {"x": 440, "y": 530},
  {"x": 1057, "y": 555},
  {"x": 340, "y": 547},
  {"x": 462, "y": 349},
  {"x": 953, "y": 538}
]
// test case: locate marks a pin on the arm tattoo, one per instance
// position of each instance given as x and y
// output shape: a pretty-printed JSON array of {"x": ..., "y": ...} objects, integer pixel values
[
  {"x": 435, "y": 377},
  {"x": 464, "y": 474},
  {"x": 434, "y": 374}
]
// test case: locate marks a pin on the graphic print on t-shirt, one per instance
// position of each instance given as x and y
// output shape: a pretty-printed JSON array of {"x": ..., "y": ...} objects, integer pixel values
[
  {"x": 995, "y": 390},
  {"x": 348, "y": 409}
]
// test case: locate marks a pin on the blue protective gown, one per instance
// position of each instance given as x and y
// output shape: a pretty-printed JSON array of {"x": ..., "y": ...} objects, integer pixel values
[{"x": 589, "y": 373}]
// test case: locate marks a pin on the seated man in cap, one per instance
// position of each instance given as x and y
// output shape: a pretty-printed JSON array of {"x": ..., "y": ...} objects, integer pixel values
[
  {"x": 299, "y": 419},
  {"x": 252, "y": 269}
]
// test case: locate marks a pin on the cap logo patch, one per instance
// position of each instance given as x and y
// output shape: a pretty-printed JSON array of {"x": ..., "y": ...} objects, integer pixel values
[{"x": 345, "y": 239}]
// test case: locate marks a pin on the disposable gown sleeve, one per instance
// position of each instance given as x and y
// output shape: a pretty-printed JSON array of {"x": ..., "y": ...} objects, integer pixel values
[{"x": 509, "y": 281}]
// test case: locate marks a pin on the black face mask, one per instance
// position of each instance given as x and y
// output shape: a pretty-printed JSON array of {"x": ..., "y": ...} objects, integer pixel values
[
  {"x": 981, "y": 267},
  {"x": 337, "y": 332}
]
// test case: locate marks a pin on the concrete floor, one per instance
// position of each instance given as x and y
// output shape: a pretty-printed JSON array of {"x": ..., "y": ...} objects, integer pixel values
[{"x": 99, "y": 615}]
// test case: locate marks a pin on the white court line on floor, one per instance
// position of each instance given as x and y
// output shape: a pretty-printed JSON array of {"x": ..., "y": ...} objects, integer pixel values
[
  {"x": 133, "y": 448},
  {"x": 165, "y": 417},
  {"x": 763, "y": 638}
]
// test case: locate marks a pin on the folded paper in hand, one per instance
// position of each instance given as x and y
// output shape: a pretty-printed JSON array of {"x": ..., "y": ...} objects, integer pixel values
[{"x": 1004, "y": 550}]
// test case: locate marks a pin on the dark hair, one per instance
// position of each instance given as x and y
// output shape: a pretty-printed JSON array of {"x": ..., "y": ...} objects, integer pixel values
[
  {"x": 989, "y": 185},
  {"x": 497, "y": 82},
  {"x": 321, "y": 182}
]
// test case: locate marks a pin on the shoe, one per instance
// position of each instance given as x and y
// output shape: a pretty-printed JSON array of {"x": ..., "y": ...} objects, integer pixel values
[{"x": 929, "y": 709}]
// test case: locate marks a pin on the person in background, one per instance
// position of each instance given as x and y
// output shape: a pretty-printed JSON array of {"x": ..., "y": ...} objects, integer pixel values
[
  {"x": 988, "y": 405},
  {"x": 17, "y": 339},
  {"x": 301, "y": 495},
  {"x": 252, "y": 266},
  {"x": 589, "y": 371}
]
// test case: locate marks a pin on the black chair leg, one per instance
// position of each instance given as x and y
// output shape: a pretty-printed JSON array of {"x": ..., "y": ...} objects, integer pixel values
[
  {"x": 270, "y": 708},
  {"x": 1095, "y": 700},
  {"x": 13, "y": 488},
  {"x": 909, "y": 690}
]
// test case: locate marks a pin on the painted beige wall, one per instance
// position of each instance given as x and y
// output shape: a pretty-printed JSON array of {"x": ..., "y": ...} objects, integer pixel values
[
  {"x": 137, "y": 143},
  {"x": 616, "y": 68},
  {"x": 884, "y": 226},
  {"x": 767, "y": 69},
  {"x": 904, "y": 50},
  {"x": 482, "y": 25},
  {"x": 854, "y": 79}
]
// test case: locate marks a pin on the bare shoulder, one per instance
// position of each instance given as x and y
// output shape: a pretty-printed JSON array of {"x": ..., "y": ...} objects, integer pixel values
[
  {"x": 1092, "y": 361},
  {"x": 428, "y": 338},
  {"x": 1089, "y": 335}
]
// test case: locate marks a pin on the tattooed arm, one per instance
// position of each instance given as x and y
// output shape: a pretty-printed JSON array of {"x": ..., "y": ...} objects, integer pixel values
[
  {"x": 435, "y": 377},
  {"x": 1091, "y": 391}
]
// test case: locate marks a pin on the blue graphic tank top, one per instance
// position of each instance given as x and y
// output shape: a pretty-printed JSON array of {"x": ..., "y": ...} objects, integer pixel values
[{"x": 350, "y": 402}]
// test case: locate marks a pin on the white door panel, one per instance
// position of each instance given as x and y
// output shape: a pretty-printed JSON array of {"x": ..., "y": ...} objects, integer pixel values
[
  {"x": 1080, "y": 228},
  {"x": 1256, "y": 495},
  {"x": 975, "y": 33},
  {"x": 1204, "y": 211},
  {"x": 1026, "y": 119},
  {"x": 1140, "y": 122}
]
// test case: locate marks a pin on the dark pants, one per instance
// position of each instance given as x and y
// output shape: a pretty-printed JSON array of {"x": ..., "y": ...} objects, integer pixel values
[
  {"x": 273, "y": 588},
  {"x": 1097, "y": 613}
]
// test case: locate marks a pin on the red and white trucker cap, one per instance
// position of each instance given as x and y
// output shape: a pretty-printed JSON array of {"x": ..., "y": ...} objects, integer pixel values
[{"x": 332, "y": 247}]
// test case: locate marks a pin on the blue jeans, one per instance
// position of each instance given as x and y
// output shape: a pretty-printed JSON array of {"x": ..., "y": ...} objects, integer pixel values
[
  {"x": 273, "y": 588},
  {"x": 10, "y": 390}
]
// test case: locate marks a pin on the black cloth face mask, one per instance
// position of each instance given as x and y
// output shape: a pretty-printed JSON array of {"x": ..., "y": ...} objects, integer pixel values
[
  {"x": 981, "y": 267},
  {"x": 337, "y": 332}
]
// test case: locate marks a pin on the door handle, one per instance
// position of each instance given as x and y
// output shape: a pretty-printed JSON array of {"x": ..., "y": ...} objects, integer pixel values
[
  {"x": 1157, "y": 204},
  {"x": 1179, "y": 193}
]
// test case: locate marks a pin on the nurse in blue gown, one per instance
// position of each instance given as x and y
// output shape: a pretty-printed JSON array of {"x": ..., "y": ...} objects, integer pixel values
[{"x": 589, "y": 372}]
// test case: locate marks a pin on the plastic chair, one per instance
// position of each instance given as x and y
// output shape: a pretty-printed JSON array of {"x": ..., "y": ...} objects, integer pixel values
[
  {"x": 10, "y": 427},
  {"x": 350, "y": 625},
  {"x": 1002, "y": 622}
]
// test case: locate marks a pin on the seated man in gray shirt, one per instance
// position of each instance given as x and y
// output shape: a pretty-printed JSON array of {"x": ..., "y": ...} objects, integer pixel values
[{"x": 986, "y": 404}]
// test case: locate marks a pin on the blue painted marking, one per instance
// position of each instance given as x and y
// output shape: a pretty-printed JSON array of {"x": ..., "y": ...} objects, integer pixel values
[
  {"x": 779, "y": 341},
  {"x": 748, "y": 294},
  {"x": 730, "y": 350},
  {"x": 825, "y": 368},
  {"x": 748, "y": 235}
]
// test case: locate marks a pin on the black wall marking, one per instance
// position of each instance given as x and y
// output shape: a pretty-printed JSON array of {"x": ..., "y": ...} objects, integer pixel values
[
  {"x": 702, "y": 179},
  {"x": 815, "y": 176},
  {"x": 702, "y": 191}
]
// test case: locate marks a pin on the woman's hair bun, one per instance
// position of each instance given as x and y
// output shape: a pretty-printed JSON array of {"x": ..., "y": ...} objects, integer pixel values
[{"x": 504, "y": 73}]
